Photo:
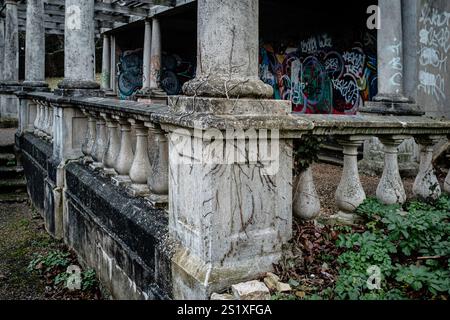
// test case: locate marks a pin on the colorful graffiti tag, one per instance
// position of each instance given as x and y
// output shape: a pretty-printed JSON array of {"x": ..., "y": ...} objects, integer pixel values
[{"x": 320, "y": 79}]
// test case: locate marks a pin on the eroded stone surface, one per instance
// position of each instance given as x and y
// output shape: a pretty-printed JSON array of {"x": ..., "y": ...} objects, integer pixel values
[{"x": 252, "y": 290}]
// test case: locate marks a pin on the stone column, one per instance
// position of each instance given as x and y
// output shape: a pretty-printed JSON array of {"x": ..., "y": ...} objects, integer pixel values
[
  {"x": 2, "y": 47},
  {"x": 79, "y": 50},
  {"x": 350, "y": 193},
  {"x": 147, "y": 57},
  {"x": 391, "y": 190},
  {"x": 106, "y": 63},
  {"x": 113, "y": 63},
  {"x": 11, "y": 60},
  {"x": 426, "y": 185},
  {"x": 156, "y": 54},
  {"x": 391, "y": 98},
  {"x": 231, "y": 215},
  {"x": 227, "y": 51},
  {"x": 35, "y": 45}
]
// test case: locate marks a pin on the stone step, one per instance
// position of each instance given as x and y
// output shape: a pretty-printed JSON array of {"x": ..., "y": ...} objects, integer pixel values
[
  {"x": 13, "y": 186},
  {"x": 7, "y": 159},
  {"x": 8, "y": 123},
  {"x": 13, "y": 197},
  {"x": 11, "y": 172}
]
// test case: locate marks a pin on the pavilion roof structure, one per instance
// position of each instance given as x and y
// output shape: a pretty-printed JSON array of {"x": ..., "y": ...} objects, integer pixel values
[{"x": 108, "y": 14}]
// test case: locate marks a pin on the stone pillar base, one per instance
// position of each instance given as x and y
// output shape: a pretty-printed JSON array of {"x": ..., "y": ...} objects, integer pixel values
[
  {"x": 96, "y": 166},
  {"x": 153, "y": 97},
  {"x": 392, "y": 108},
  {"x": 120, "y": 181},
  {"x": 77, "y": 92},
  {"x": 230, "y": 202},
  {"x": 194, "y": 279},
  {"x": 107, "y": 172},
  {"x": 344, "y": 218},
  {"x": 138, "y": 190},
  {"x": 157, "y": 200}
]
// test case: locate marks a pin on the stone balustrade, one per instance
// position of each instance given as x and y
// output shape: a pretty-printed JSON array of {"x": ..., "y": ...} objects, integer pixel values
[
  {"x": 350, "y": 193},
  {"x": 135, "y": 146},
  {"x": 125, "y": 141},
  {"x": 43, "y": 121}
]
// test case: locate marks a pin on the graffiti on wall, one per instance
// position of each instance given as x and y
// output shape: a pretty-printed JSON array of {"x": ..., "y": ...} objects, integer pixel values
[
  {"x": 434, "y": 43},
  {"x": 130, "y": 73},
  {"x": 318, "y": 78}
]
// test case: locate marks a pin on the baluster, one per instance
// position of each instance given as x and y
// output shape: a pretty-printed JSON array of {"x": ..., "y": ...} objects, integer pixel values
[
  {"x": 112, "y": 145},
  {"x": 306, "y": 203},
  {"x": 37, "y": 120},
  {"x": 98, "y": 151},
  {"x": 391, "y": 190},
  {"x": 158, "y": 181},
  {"x": 49, "y": 128},
  {"x": 125, "y": 158},
  {"x": 44, "y": 122},
  {"x": 89, "y": 140},
  {"x": 350, "y": 193},
  {"x": 426, "y": 186},
  {"x": 140, "y": 169}
]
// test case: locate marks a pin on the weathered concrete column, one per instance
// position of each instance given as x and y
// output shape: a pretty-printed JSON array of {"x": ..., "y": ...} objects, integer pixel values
[
  {"x": 113, "y": 64},
  {"x": 79, "y": 50},
  {"x": 391, "y": 190},
  {"x": 147, "y": 57},
  {"x": 2, "y": 47},
  {"x": 155, "y": 59},
  {"x": 426, "y": 186},
  {"x": 391, "y": 98},
  {"x": 350, "y": 193},
  {"x": 231, "y": 215},
  {"x": 11, "y": 59},
  {"x": 227, "y": 51},
  {"x": 35, "y": 45},
  {"x": 106, "y": 63}
]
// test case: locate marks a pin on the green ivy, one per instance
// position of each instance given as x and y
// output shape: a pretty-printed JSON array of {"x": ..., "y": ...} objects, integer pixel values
[{"x": 410, "y": 245}]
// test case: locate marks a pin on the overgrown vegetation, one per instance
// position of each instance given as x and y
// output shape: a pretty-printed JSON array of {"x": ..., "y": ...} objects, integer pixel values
[
  {"x": 53, "y": 266},
  {"x": 406, "y": 248}
]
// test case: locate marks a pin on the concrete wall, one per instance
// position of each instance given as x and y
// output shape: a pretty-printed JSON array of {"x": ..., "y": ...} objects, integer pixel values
[
  {"x": 432, "y": 57},
  {"x": 122, "y": 238}
]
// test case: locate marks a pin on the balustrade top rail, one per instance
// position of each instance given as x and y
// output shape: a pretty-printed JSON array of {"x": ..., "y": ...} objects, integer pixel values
[{"x": 290, "y": 125}]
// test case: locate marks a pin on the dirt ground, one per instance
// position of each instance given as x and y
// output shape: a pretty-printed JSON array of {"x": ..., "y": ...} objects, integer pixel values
[{"x": 21, "y": 235}]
